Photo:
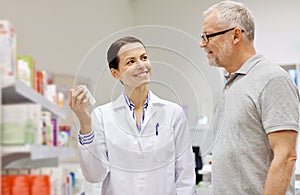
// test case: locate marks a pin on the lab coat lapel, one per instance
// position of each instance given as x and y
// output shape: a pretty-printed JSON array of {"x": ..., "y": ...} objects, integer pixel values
[
  {"x": 122, "y": 117},
  {"x": 155, "y": 113}
]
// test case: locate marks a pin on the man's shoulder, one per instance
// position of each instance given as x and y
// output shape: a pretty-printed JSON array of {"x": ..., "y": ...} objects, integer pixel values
[{"x": 266, "y": 69}]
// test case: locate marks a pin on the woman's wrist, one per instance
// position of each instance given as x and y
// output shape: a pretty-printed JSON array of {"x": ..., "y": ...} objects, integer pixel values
[{"x": 85, "y": 128}]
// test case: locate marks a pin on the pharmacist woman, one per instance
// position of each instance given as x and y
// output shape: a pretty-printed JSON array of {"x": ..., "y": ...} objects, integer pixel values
[{"x": 137, "y": 144}]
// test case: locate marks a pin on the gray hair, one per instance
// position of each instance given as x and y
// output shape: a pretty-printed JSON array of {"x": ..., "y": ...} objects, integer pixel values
[{"x": 234, "y": 14}]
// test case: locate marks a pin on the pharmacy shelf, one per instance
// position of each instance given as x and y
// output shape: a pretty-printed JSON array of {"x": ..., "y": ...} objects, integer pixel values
[
  {"x": 33, "y": 155},
  {"x": 15, "y": 91},
  {"x": 28, "y": 163},
  {"x": 40, "y": 152},
  {"x": 6, "y": 150}
]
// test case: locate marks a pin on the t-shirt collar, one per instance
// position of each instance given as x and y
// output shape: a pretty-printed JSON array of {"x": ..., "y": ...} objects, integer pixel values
[{"x": 246, "y": 67}]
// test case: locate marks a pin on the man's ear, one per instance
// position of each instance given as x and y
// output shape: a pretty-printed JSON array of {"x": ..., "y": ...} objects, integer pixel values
[
  {"x": 237, "y": 35},
  {"x": 115, "y": 73}
]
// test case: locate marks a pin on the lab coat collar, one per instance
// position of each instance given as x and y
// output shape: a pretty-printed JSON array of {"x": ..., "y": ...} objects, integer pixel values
[
  {"x": 124, "y": 119},
  {"x": 121, "y": 102}
]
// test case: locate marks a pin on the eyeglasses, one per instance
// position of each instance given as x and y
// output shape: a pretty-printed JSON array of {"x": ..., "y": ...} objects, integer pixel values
[{"x": 205, "y": 37}]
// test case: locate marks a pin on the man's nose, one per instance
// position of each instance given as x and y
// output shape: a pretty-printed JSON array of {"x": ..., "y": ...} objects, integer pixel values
[{"x": 202, "y": 43}]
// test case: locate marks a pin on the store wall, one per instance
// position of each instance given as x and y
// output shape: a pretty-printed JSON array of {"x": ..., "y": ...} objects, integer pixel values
[
  {"x": 277, "y": 26},
  {"x": 58, "y": 34}
]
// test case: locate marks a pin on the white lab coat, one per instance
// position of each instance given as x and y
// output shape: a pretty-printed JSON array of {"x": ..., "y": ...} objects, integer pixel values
[{"x": 156, "y": 161}]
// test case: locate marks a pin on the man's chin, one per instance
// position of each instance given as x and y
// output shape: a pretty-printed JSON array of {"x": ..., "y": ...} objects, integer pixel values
[{"x": 213, "y": 63}]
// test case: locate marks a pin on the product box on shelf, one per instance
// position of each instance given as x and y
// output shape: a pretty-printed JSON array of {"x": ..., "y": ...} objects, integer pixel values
[
  {"x": 52, "y": 93},
  {"x": 65, "y": 135},
  {"x": 47, "y": 135},
  {"x": 58, "y": 179},
  {"x": 20, "y": 123},
  {"x": 41, "y": 82},
  {"x": 8, "y": 49},
  {"x": 26, "y": 184},
  {"x": 55, "y": 131},
  {"x": 40, "y": 181},
  {"x": 27, "y": 70}
]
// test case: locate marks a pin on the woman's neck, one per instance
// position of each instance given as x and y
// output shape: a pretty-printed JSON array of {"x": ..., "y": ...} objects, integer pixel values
[{"x": 137, "y": 96}]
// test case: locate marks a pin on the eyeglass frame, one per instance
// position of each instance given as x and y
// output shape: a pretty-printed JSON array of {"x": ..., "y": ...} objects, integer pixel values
[{"x": 205, "y": 37}]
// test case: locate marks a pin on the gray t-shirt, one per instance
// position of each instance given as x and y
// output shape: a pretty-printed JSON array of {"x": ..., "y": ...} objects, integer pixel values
[{"x": 258, "y": 99}]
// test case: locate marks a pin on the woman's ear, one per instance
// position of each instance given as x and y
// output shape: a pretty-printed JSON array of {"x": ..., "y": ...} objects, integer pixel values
[{"x": 115, "y": 73}]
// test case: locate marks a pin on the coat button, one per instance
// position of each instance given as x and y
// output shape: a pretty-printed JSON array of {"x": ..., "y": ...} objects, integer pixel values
[{"x": 141, "y": 182}]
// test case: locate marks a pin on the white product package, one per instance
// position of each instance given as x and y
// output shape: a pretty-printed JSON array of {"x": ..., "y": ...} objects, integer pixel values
[
  {"x": 8, "y": 49},
  {"x": 89, "y": 95}
]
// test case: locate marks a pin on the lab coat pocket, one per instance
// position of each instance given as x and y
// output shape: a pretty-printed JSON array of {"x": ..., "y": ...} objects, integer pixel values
[{"x": 164, "y": 146}]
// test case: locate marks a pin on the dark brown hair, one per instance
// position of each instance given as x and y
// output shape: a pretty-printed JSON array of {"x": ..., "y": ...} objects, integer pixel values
[{"x": 112, "y": 53}]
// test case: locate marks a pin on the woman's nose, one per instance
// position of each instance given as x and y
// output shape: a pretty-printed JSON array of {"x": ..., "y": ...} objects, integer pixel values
[{"x": 140, "y": 64}]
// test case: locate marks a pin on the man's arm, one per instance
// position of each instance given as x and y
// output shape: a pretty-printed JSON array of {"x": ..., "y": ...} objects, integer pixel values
[{"x": 283, "y": 144}]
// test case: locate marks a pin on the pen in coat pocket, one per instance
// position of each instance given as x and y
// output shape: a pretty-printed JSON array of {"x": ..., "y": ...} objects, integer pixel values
[{"x": 156, "y": 129}]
